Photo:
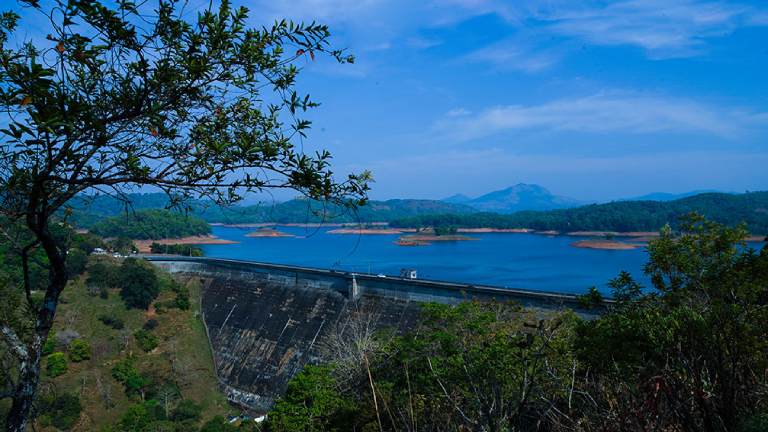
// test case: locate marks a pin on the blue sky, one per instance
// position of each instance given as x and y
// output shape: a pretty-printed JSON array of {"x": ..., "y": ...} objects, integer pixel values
[
  {"x": 595, "y": 100},
  {"x": 592, "y": 99}
]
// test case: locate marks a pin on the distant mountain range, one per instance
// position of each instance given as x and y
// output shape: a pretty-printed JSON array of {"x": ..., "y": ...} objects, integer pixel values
[
  {"x": 524, "y": 205},
  {"x": 515, "y": 198},
  {"x": 622, "y": 216},
  {"x": 89, "y": 210},
  {"x": 665, "y": 196}
]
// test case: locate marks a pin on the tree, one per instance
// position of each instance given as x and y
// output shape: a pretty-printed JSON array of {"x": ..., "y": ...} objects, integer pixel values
[
  {"x": 76, "y": 261},
  {"x": 186, "y": 410},
  {"x": 122, "y": 245},
  {"x": 312, "y": 403},
  {"x": 691, "y": 354},
  {"x": 218, "y": 424},
  {"x": 121, "y": 95},
  {"x": 103, "y": 274},
  {"x": 61, "y": 411},
  {"x": 138, "y": 284}
]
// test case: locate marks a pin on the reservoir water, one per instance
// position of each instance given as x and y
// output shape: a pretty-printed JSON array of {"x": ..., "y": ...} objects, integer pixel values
[{"x": 531, "y": 261}]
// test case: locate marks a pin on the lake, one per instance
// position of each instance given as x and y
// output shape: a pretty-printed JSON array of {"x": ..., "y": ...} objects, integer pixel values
[{"x": 530, "y": 261}]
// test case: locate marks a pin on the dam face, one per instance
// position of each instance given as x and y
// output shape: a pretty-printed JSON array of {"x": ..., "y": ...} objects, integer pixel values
[{"x": 265, "y": 322}]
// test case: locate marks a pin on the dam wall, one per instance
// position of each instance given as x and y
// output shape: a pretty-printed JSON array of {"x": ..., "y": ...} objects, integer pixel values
[
  {"x": 266, "y": 321},
  {"x": 355, "y": 285}
]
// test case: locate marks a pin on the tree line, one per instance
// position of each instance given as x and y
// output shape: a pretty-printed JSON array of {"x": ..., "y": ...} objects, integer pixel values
[
  {"x": 151, "y": 224},
  {"x": 625, "y": 216}
]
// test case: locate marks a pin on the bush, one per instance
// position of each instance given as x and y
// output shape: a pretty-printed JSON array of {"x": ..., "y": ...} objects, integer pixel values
[
  {"x": 115, "y": 323},
  {"x": 186, "y": 410},
  {"x": 182, "y": 298},
  {"x": 151, "y": 324},
  {"x": 218, "y": 424},
  {"x": 136, "y": 418},
  {"x": 138, "y": 284},
  {"x": 79, "y": 350},
  {"x": 61, "y": 411},
  {"x": 76, "y": 261},
  {"x": 125, "y": 372},
  {"x": 146, "y": 340},
  {"x": 103, "y": 293},
  {"x": 86, "y": 242},
  {"x": 103, "y": 274},
  {"x": 56, "y": 364},
  {"x": 50, "y": 344},
  {"x": 122, "y": 245},
  {"x": 175, "y": 249}
]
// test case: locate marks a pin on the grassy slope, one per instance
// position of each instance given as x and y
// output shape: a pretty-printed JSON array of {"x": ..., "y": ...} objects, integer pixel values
[{"x": 183, "y": 354}]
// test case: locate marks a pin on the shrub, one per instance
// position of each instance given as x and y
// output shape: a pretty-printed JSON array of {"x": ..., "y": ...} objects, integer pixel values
[
  {"x": 103, "y": 274},
  {"x": 138, "y": 284},
  {"x": 56, "y": 364},
  {"x": 115, "y": 323},
  {"x": 76, "y": 261},
  {"x": 218, "y": 424},
  {"x": 151, "y": 324},
  {"x": 60, "y": 411},
  {"x": 50, "y": 344},
  {"x": 182, "y": 299},
  {"x": 79, "y": 350},
  {"x": 125, "y": 372},
  {"x": 146, "y": 340},
  {"x": 186, "y": 410}
]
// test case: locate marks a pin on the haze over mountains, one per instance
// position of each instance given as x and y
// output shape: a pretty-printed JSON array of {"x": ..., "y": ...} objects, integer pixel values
[
  {"x": 521, "y": 198},
  {"x": 665, "y": 196},
  {"x": 515, "y": 198}
]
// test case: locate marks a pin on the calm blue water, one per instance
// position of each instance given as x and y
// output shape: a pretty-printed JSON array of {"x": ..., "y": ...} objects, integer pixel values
[{"x": 509, "y": 260}]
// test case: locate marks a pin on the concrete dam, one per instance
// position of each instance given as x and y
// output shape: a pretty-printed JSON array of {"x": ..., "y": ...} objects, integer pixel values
[{"x": 266, "y": 321}]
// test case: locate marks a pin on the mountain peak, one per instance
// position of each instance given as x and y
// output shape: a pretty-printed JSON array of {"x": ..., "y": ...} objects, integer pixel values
[{"x": 522, "y": 196}]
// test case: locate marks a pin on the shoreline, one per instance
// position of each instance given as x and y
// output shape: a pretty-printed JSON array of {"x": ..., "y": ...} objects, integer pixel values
[
  {"x": 353, "y": 228},
  {"x": 428, "y": 238},
  {"x": 368, "y": 231}
]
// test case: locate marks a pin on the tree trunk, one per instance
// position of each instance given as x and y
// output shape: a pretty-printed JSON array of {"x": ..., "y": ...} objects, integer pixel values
[
  {"x": 29, "y": 377},
  {"x": 29, "y": 368}
]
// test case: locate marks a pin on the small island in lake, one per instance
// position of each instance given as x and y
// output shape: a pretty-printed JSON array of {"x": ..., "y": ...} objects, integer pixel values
[
  {"x": 605, "y": 244},
  {"x": 268, "y": 232},
  {"x": 362, "y": 230},
  {"x": 428, "y": 235}
]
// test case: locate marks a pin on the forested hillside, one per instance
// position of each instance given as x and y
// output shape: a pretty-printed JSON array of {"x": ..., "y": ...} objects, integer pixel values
[
  {"x": 89, "y": 210},
  {"x": 730, "y": 209},
  {"x": 151, "y": 224}
]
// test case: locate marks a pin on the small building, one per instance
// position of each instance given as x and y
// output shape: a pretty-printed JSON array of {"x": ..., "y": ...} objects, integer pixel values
[{"x": 408, "y": 273}]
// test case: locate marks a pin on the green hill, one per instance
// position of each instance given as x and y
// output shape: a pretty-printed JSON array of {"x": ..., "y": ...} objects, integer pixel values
[
  {"x": 150, "y": 224},
  {"x": 730, "y": 209},
  {"x": 87, "y": 211}
]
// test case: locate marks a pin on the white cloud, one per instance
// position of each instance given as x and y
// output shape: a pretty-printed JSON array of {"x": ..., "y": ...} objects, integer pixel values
[
  {"x": 458, "y": 112},
  {"x": 509, "y": 55},
  {"x": 422, "y": 42},
  {"x": 602, "y": 113},
  {"x": 663, "y": 28}
]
